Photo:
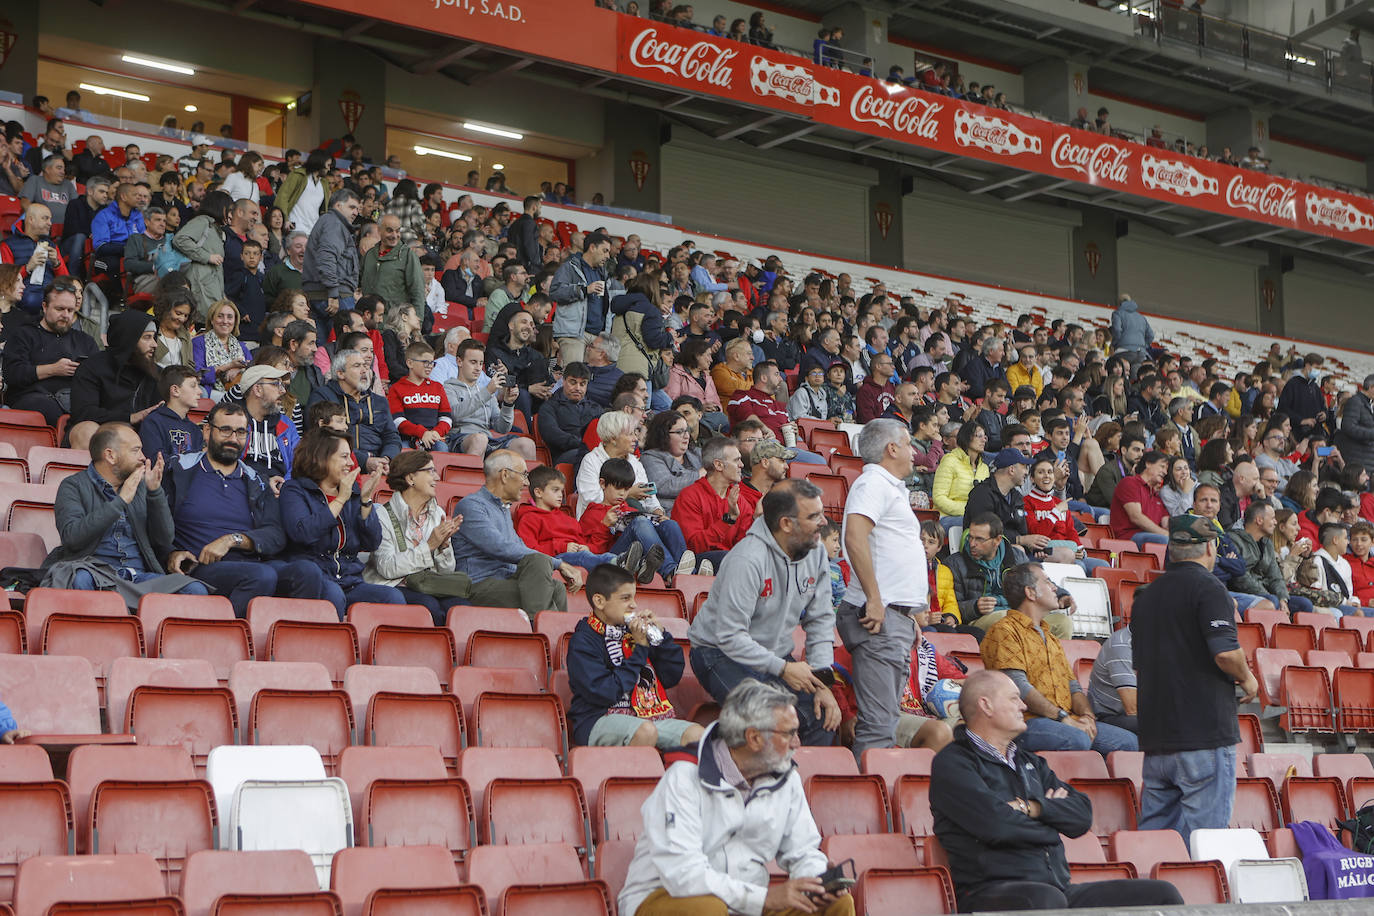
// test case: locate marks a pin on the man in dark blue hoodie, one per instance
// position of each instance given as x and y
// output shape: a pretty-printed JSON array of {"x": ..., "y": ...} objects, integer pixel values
[{"x": 370, "y": 427}]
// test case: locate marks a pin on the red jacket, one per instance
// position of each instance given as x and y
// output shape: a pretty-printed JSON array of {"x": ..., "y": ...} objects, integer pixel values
[
  {"x": 1308, "y": 528},
  {"x": 548, "y": 531},
  {"x": 417, "y": 409},
  {"x": 1048, "y": 515},
  {"x": 1362, "y": 575},
  {"x": 761, "y": 404},
  {"x": 699, "y": 511},
  {"x": 379, "y": 348},
  {"x": 595, "y": 533},
  {"x": 872, "y": 401}
]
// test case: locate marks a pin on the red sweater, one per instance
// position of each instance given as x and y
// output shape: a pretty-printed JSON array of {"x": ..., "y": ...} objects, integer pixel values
[
  {"x": 756, "y": 403},
  {"x": 546, "y": 530},
  {"x": 417, "y": 409},
  {"x": 698, "y": 510},
  {"x": 1362, "y": 575},
  {"x": 872, "y": 401},
  {"x": 1048, "y": 515},
  {"x": 595, "y": 534}
]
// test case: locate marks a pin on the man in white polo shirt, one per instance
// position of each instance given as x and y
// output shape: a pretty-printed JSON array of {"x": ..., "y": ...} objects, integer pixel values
[{"x": 876, "y": 617}]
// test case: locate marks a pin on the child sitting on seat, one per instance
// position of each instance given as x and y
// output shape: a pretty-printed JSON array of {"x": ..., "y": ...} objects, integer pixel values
[
  {"x": 613, "y": 525},
  {"x": 544, "y": 526},
  {"x": 620, "y": 664}
]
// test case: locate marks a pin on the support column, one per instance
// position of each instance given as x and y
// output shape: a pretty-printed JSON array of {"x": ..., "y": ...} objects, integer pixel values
[
  {"x": 1056, "y": 87},
  {"x": 19, "y": 66},
  {"x": 1094, "y": 258},
  {"x": 885, "y": 235},
  {"x": 865, "y": 35},
  {"x": 1238, "y": 128},
  {"x": 350, "y": 96},
  {"x": 1269, "y": 292},
  {"x": 628, "y": 168}
]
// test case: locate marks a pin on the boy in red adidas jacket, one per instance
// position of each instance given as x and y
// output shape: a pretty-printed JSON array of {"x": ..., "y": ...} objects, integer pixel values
[{"x": 419, "y": 405}]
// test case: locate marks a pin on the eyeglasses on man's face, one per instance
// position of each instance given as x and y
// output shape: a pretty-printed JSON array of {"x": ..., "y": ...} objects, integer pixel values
[{"x": 232, "y": 432}]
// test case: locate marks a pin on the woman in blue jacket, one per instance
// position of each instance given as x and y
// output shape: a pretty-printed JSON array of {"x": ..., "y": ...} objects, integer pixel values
[{"x": 329, "y": 519}]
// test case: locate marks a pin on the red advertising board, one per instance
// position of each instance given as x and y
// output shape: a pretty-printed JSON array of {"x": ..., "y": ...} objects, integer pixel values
[{"x": 696, "y": 62}]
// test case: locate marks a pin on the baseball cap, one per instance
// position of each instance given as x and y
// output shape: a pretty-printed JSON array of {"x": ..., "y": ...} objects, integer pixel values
[
  {"x": 771, "y": 448},
  {"x": 254, "y": 374},
  {"x": 1191, "y": 529},
  {"x": 1008, "y": 457}
]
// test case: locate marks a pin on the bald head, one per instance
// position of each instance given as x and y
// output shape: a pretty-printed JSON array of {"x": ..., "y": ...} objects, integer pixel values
[
  {"x": 978, "y": 693},
  {"x": 37, "y": 221}
]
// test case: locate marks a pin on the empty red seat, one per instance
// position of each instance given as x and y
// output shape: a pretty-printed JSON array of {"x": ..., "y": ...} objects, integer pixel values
[
  {"x": 1330, "y": 660},
  {"x": 478, "y": 766},
  {"x": 1069, "y": 765},
  {"x": 167, "y": 819},
  {"x": 616, "y": 815},
  {"x": 1083, "y": 850},
  {"x": 47, "y": 880},
  {"x": 14, "y": 638},
  {"x": 519, "y": 811},
  {"x": 495, "y": 868},
  {"x": 530, "y": 651},
  {"x": 849, "y": 804},
  {"x": 253, "y": 882},
  {"x": 394, "y": 719},
  {"x": 52, "y": 695},
  {"x": 35, "y": 819},
  {"x": 1147, "y": 848},
  {"x": 91, "y": 764},
  {"x": 322, "y": 719},
  {"x": 100, "y": 640},
  {"x": 399, "y": 635},
  {"x": 468, "y": 683},
  {"x": 1266, "y": 619},
  {"x": 404, "y": 796},
  {"x": 1128, "y": 765},
  {"x": 247, "y": 678},
  {"x": 521, "y": 720},
  {"x": 1270, "y": 664},
  {"x": 1301, "y": 639},
  {"x": 129, "y": 673},
  {"x": 576, "y": 898},
  {"x": 666, "y": 603},
  {"x": 1114, "y": 803},
  {"x": 592, "y": 766},
  {"x": 25, "y": 438},
  {"x": 328, "y": 642},
  {"x": 196, "y": 719},
  {"x": 883, "y": 890},
  {"x": 359, "y": 871},
  {"x": 1251, "y": 735},
  {"x": 1342, "y": 766},
  {"x": 911, "y": 801},
  {"x": 1307, "y": 694},
  {"x": 265, "y": 610},
  {"x": 464, "y": 621},
  {"x": 1353, "y": 696},
  {"x": 1198, "y": 883},
  {"x": 37, "y": 518},
  {"x": 832, "y": 761},
  {"x": 195, "y": 626},
  {"x": 891, "y": 763},
  {"x": 41, "y": 603},
  {"x": 1335, "y": 639}
]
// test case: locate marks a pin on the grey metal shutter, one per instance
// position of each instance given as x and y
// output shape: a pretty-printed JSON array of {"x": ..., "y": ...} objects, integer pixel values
[
  {"x": 772, "y": 198},
  {"x": 1023, "y": 247},
  {"x": 1328, "y": 305},
  {"x": 1190, "y": 278}
]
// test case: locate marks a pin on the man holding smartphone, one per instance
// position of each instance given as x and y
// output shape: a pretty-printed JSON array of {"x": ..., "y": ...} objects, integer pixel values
[{"x": 481, "y": 410}]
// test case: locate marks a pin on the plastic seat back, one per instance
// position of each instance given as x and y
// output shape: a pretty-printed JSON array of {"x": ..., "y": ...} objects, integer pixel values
[
  {"x": 1314, "y": 798},
  {"x": 1128, "y": 765},
  {"x": 1353, "y": 695},
  {"x": 1227, "y": 846},
  {"x": 332, "y": 644},
  {"x": 360, "y": 871},
  {"x": 313, "y": 815},
  {"x": 231, "y": 766},
  {"x": 592, "y": 766},
  {"x": 883, "y": 890},
  {"x": 265, "y": 610},
  {"x": 519, "y": 811},
  {"x": 849, "y": 804},
  {"x": 521, "y": 720},
  {"x": 1083, "y": 850},
  {"x": 196, "y": 719},
  {"x": 1299, "y": 638},
  {"x": 1114, "y": 803},
  {"x": 1256, "y": 805},
  {"x": 211, "y": 875},
  {"x": 495, "y": 868},
  {"x": 575, "y": 898},
  {"x": 832, "y": 761},
  {"x": 367, "y": 616},
  {"x": 892, "y": 763},
  {"x": 170, "y": 820},
  {"x": 1146, "y": 848},
  {"x": 468, "y": 683},
  {"x": 101, "y": 640},
  {"x": 425, "y": 647},
  {"x": 511, "y": 650},
  {"x": 36, "y": 518},
  {"x": 1069, "y": 765},
  {"x": 128, "y": 673},
  {"x": 91, "y": 764},
  {"x": 362, "y": 681},
  {"x": 404, "y": 720},
  {"x": 616, "y": 815},
  {"x": 666, "y": 603},
  {"x": 41, "y": 603},
  {"x": 1271, "y": 663},
  {"x": 322, "y": 719},
  {"x": 46, "y": 880},
  {"x": 1335, "y": 639},
  {"x": 464, "y": 621},
  {"x": 478, "y": 766},
  {"x": 35, "y": 819},
  {"x": 1198, "y": 883}
]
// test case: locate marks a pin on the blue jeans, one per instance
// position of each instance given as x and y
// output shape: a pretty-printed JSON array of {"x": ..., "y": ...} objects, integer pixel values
[
  {"x": 243, "y": 580},
  {"x": 1244, "y": 602},
  {"x": 1141, "y": 538},
  {"x": 1077, "y": 505},
  {"x": 665, "y": 534},
  {"x": 1043, "y": 734},
  {"x": 1188, "y": 790},
  {"x": 438, "y": 607},
  {"x": 586, "y": 559},
  {"x": 363, "y": 591},
  {"x": 1091, "y": 563},
  {"x": 1297, "y": 604},
  {"x": 86, "y": 582},
  {"x": 719, "y": 674}
]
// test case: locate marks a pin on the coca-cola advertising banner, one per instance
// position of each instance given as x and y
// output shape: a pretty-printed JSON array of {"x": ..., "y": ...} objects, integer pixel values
[{"x": 696, "y": 62}]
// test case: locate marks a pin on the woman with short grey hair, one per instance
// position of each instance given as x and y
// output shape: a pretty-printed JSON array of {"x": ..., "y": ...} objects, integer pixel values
[{"x": 619, "y": 433}]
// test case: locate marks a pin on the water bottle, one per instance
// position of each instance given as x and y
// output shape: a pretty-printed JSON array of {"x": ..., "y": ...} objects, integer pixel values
[{"x": 652, "y": 630}]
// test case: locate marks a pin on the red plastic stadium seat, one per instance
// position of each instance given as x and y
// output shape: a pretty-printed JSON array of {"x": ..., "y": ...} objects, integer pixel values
[
  {"x": 13, "y": 634},
  {"x": 576, "y": 898},
  {"x": 495, "y": 868},
  {"x": 35, "y": 819},
  {"x": 1114, "y": 803},
  {"x": 1266, "y": 619},
  {"x": 128, "y": 673},
  {"x": 1127, "y": 765},
  {"x": 1069, "y": 765},
  {"x": 196, "y": 719},
  {"x": 89, "y": 765},
  {"x": 332, "y": 644},
  {"x": 247, "y": 678},
  {"x": 265, "y": 610},
  {"x": 1335, "y": 639},
  {"x": 1147, "y": 848},
  {"x": 169, "y": 820},
  {"x": 519, "y": 811},
  {"x": 195, "y": 626},
  {"x": 404, "y": 796},
  {"x": 52, "y": 695},
  {"x": 1314, "y": 798},
  {"x": 1277, "y": 767},
  {"x": 1198, "y": 883},
  {"x": 37, "y": 518},
  {"x": 832, "y": 761},
  {"x": 1307, "y": 694},
  {"x": 1087, "y": 873},
  {"x": 395, "y": 719},
  {"x": 1083, "y": 850},
  {"x": 47, "y": 880},
  {"x": 254, "y": 882},
  {"x": 1354, "y": 699},
  {"x": 100, "y": 640},
  {"x": 1271, "y": 663},
  {"x": 359, "y": 871},
  {"x": 24, "y": 438},
  {"x": 592, "y": 766},
  {"x": 41, "y": 603},
  {"x": 891, "y": 763},
  {"x": 617, "y": 813},
  {"x": 468, "y": 683},
  {"x": 322, "y": 719},
  {"x": 530, "y": 651},
  {"x": 478, "y": 766},
  {"x": 1251, "y": 735},
  {"x": 849, "y": 804},
  {"x": 521, "y": 720},
  {"x": 1302, "y": 639},
  {"x": 883, "y": 890}
]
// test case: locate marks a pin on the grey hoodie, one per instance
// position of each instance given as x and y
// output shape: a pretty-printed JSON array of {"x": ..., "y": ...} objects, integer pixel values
[
  {"x": 1130, "y": 329},
  {"x": 759, "y": 597}
]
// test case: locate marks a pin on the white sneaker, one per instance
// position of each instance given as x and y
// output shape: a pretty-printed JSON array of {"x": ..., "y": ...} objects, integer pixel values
[
  {"x": 706, "y": 568},
  {"x": 687, "y": 563}
]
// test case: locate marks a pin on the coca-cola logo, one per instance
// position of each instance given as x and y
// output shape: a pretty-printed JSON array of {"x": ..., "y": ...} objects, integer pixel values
[
  {"x": 993, "y": 134},
  {"x": 1274, "y": 199},
  {"x": 702, "y": 62},
  {"x": 799, "y": 85},
  {"x": 1337, "y": 214},
  {"x": 1175, "y": 177},
  {"x": 907, "y": 114},
  {"x": 1100, "y": 162}
]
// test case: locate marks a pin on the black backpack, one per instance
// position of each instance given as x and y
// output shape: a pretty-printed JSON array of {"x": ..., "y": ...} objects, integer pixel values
[{"x": 1361, "y": 828}]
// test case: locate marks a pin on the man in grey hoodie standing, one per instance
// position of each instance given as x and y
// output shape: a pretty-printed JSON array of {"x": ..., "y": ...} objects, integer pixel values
[
  {"x": 1131, "y": 333},
  {"x": 774, "y": 579},
  {"x": 329, "y": 273},
  {"x": 579, "y": 288}
]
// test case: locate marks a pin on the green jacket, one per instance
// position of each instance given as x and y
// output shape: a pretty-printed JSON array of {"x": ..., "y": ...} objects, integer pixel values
[
  {"x": 291, "y": 189},
  {"x": 395, "y": 276},
  {"x": 1263, "y": 575}
]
